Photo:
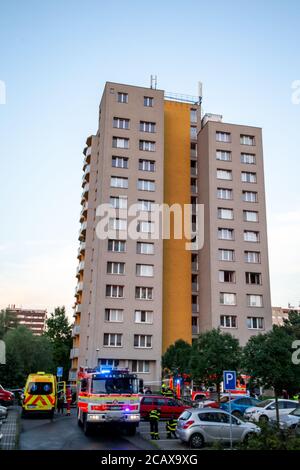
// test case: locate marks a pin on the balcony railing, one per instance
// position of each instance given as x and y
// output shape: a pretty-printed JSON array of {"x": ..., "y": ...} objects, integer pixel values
[
  {"x": 75, "y": 330},
  {"x": 193, "y": 171},
  {"x": 86, "y": 174},
  {"x": 194, "y": 266},
  {"x": 193, "y": 153},
  {"x": 195, "y": 329},
  {"x": 74, "y": 353},
  {"x": 80, "y": 267},
  {"x": 85, "y": 191},
  {"x": 81, "y": 249},
  {"x": 194, "y": 287},
  {"x": 79, "y": 287},
  {"x": 82, "y": 231},
  {"x": 195, "y": 308},
  {"x": 194, "y": 189}
]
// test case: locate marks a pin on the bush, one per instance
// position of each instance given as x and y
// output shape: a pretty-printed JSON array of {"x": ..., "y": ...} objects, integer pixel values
[{"x": 272, "y": 439}]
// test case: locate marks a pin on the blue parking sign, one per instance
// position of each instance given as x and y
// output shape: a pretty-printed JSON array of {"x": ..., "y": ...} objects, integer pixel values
[
  {"x": 59, "y": 372},
  {"x": 229, "y": 379}
]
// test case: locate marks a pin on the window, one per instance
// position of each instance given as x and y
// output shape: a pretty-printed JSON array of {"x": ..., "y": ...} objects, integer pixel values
[
  {"x": 250, "y": 236},
  {"x": 118, "y": 182},
  {"x": 142, "y": 367},
  {"x": 253, "y": 278},
  {"x": 224, "y": 193},
  {"x": 143, "y": 248},
  {"x": 148, "y": 101},
  {"x": 248, "y": 177},
  {"x": 119, "y": 162},
  {"x": 109, "y": 362},
  {"x": 254, "y": 300},
  {"x": 114, "y": 291},
  {"x": 120, "y": 143},
  {"x": 146, "y": 165},
  {"x": 225, "y": 213},
  {"x": 145, "y": 227},
  {"x": 145, "y": 205},
  {"x": 223, "y": 155},
  {"x": 147, "y": 146},
  {"x": 118, "y": 246},
  {"x": 252, "y": 256},
  {"x": 227, "y": 298},
  {"x": 193, "y": 132},
  {"x": 247, "y": 140},
  {"x": 249, "y": 196},
  {"x": 225, "y": 234},
  {"x": 112, "y": 340},
  {"x": 120, "y": 123},
  {"x": 146, "y": 126},
  {"x": 224, "y": 174},
  {"x": 143, "y": 316},
  {"x": 118, "y": 224},
  {"x": 113, "y": 315},
  {"x": 255, "y": 323},
  {"x": 142, "y": 341},
  {"x": 193, "y": 115},
  {"x": 146, "y": 185},
  {"x": 226, "y": 255},
  {"x": 122, "y": 97},
  {"x": 223, "y": 137},
  {"x": 118, "y": 202},
  {"x": 144, "y": 293},
  {"x": 115, "y": 268},
  {"x": 226, "y": 276},
  {"x": 250, "y": 216},
  {"x": 248, "y": 158},
  {"x": 144, "y": 270},
  {"x": 193, "y": 149},
  {"x": 228, "y": 321}
]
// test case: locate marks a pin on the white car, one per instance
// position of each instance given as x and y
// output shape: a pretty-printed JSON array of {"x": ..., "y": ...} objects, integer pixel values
[{"x": 266, "y": 410}]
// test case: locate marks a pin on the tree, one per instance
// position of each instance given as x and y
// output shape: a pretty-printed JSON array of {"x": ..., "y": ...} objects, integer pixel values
[
  {"x": 59, "y": 332},
  {"x": 177, "y": 357},
  {"x": 292, "y": 324},
  {"x": 212, "y": 353},
  {"x": 7, "y": 321}
]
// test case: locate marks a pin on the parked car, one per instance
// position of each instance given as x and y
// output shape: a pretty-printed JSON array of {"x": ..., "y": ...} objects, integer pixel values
[
  {"x": 18, "y": 394},
  {"x": 6, "y": 397},
  {"x": 215, "y": 404},
  {"x": 168, "y": 406},
  {"x": 289, "y": 421},
  {"x": 266, "y": 410},
  {"x": 238, "y": 406},
  {"x": 3, "y": 413},
  {"x": 198, "y": 427}
]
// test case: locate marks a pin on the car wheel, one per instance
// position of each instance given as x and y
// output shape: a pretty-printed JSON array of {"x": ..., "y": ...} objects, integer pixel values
[
  {"x": 196, "y": 441},
  {"x": 237, "y": 414},
  {"x": 263, "y": 419}
]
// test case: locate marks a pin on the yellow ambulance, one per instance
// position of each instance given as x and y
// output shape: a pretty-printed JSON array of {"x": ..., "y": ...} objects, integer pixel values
[{"x": 40, "y": 394}]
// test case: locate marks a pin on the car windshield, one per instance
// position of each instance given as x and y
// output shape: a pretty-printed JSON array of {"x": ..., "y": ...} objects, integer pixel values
[
  {"x": 264, "y": 403},
  {"x": 39, "y": 388},
  {"x": 185, "y": 416},
  {"x": 108, "y": 385},
  {"x": 296, "y": 412}
]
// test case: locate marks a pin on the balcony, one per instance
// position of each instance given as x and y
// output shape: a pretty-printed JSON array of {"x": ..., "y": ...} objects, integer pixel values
[
  {"x": 81, "y": 249},
  {"x": 72, "y": 375},
  {"x": 195, "y": 308},
  {"x": 82, "y": 232},
  {"x": 194, "y": 287},
  {"x": 195, "y": 329},
  {"x": 75, "y": 330},
  {"x": 194, "y": 266},
  {"x": 80, "y": 267},
  {"x": 77, "y": 310},
  {"x": 79, "y": 288},
  {"x": 194, "y": 171},
  {"x": 83, "y": 212},
  {"x": 86, "y": 174},
  {"x": 85, "y": 192},
  {"x": 74, "y": 353},
  {"x": 194, "y": 189},
  {"x": 193, "y": 153}
]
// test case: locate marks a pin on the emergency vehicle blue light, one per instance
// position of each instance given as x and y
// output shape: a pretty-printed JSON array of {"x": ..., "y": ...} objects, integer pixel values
[
  {"x": 178, "y": 381},
  {"x": 105, "y": 371},
  {"x": 127, "y": 409}
]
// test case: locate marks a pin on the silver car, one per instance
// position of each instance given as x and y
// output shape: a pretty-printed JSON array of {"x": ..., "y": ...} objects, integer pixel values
[
  {"x": 3, "y": 412},
  {"x": 290, "y": 421},
  {"x": 202, "y": 426}
]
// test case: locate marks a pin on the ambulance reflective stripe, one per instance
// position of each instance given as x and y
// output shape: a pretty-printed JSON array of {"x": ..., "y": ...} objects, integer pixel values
[{"x": 38, "y": 399}]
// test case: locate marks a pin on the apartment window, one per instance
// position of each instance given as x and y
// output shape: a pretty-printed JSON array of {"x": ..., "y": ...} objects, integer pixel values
[
  {"x": 120, "y": 143},
  {"x": 143, "y": 248},
  {"x": 228, "y": 321},
  {"x": 255, "y": 323},
  {"x": 193, "y": 115},
  {"x": 119, "y": 162},
  {"x": 225, "y": 234},
  {"x": 250, "y": 236},
  {"x": 193, "y": 132},
  {"x": 253, "y": 278},
  {"x": 193, "y": 149},
  {"x": 248, "y": 177},
  {"x": 118, "y": 246},
  {"x": 109, "y": 362},
  {"x": 224, "y": 193},
  {"x": 142, "y": 341},
  {"x": 118, "y": 182},
  {"x": 254, "y": 300},
  {"x": 148, "y": 101},
  {"x": 225, "y": 213},
  {"x": 247, "y": 140},
  {"x": 118, "y": 224},
  {"x": 144, "y": 270},
  {"x": 223, "y": 155},
  {"x": 118, "y": 202},
  {"x": 115, "y": 268},
  {"x": 226, "y": 255},
  {"x": 112, "y": 340},
  {"x": 146, "y": 165},
  {"x": 145, "y": 226},
  {"x": 224, "y": 174},
  {"x": 113, "y": 315},
  {"x": 144, "y": 293},
  {"x": 122, "y": 97},
  {"x": 227, "y": 298},
  {"x": 145, "y": 205},
  {"x": 146, "y": 126},
  {"x": 120, "y": 123},
  {"x": 223, "y": 137},
  {"x": 114, "y": 291},
  {"x": 226, "y": 276},
  {"x": 250, "y": 196},
  {"x": 248, "y": 158},
  {"x": 252, "y": 256},
  {"x": 250, "y": 216},
  {"x": 141, "y": 367},
  {"x": 147, "y": 146},
  {"x": 146, "y": 185},
  {"x": 143, "y": 316}
]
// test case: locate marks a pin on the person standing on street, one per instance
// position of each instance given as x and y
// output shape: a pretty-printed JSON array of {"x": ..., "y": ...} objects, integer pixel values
[
  {"x": 171, "y": 427},
  {"x": 154, "y": 417}
]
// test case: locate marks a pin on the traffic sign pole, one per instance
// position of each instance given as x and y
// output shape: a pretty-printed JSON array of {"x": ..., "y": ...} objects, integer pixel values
[
  {"x": 229, "y": 383},
  {"x": 230, "y": 418}
]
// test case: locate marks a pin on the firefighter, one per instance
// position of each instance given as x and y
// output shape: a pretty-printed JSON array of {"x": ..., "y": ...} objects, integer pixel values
[
  {"x": 171, "y": 427},
  {"x": 169, "y": 393},
  {"x": 163, "y": 389},
  {"x": 69, "y": 400},
  {"x": 154, "y": 417}
]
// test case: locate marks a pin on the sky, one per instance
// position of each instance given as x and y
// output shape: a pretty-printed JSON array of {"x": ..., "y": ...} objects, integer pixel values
[{"x": 55, "y": 57}]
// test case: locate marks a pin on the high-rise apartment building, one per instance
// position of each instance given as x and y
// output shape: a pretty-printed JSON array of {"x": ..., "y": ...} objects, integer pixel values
[
  {"x": 137, "y": 295},
  {"x": 33, "y": 319}
]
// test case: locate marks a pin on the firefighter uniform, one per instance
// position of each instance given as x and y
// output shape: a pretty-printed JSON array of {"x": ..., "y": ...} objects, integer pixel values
[
  {"x": 154, "y": 416},
  {"x": 171, "y": 428},
  {"x": 169, "y": 393}
]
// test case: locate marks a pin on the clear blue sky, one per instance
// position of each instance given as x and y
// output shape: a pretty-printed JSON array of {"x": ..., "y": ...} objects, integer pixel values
[{"x": 55, "y": 57}]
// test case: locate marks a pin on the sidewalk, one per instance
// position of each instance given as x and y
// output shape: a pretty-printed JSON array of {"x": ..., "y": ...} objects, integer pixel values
[
  {"x": 10, "y": 429},
  {"x": 163, "y": 443}
]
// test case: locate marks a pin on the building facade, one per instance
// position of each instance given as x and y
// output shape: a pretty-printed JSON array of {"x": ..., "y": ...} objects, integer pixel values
[
  {"x": 136, "y": 296},
  {"x": 279, "y": 314},
  {"x": 33, "y": 319}
]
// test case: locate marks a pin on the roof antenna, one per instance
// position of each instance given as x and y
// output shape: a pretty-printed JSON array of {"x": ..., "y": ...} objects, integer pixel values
[
  {"x": 200, "y": 95},
  {"x": 153, "y": 81}
]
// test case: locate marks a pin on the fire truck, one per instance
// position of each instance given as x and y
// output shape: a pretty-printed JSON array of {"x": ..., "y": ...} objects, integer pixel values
[{"x": 108, "y": 396}]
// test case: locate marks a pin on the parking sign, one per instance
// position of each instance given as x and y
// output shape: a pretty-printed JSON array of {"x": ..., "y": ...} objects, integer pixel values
[{"x": 229, "y": 379}]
